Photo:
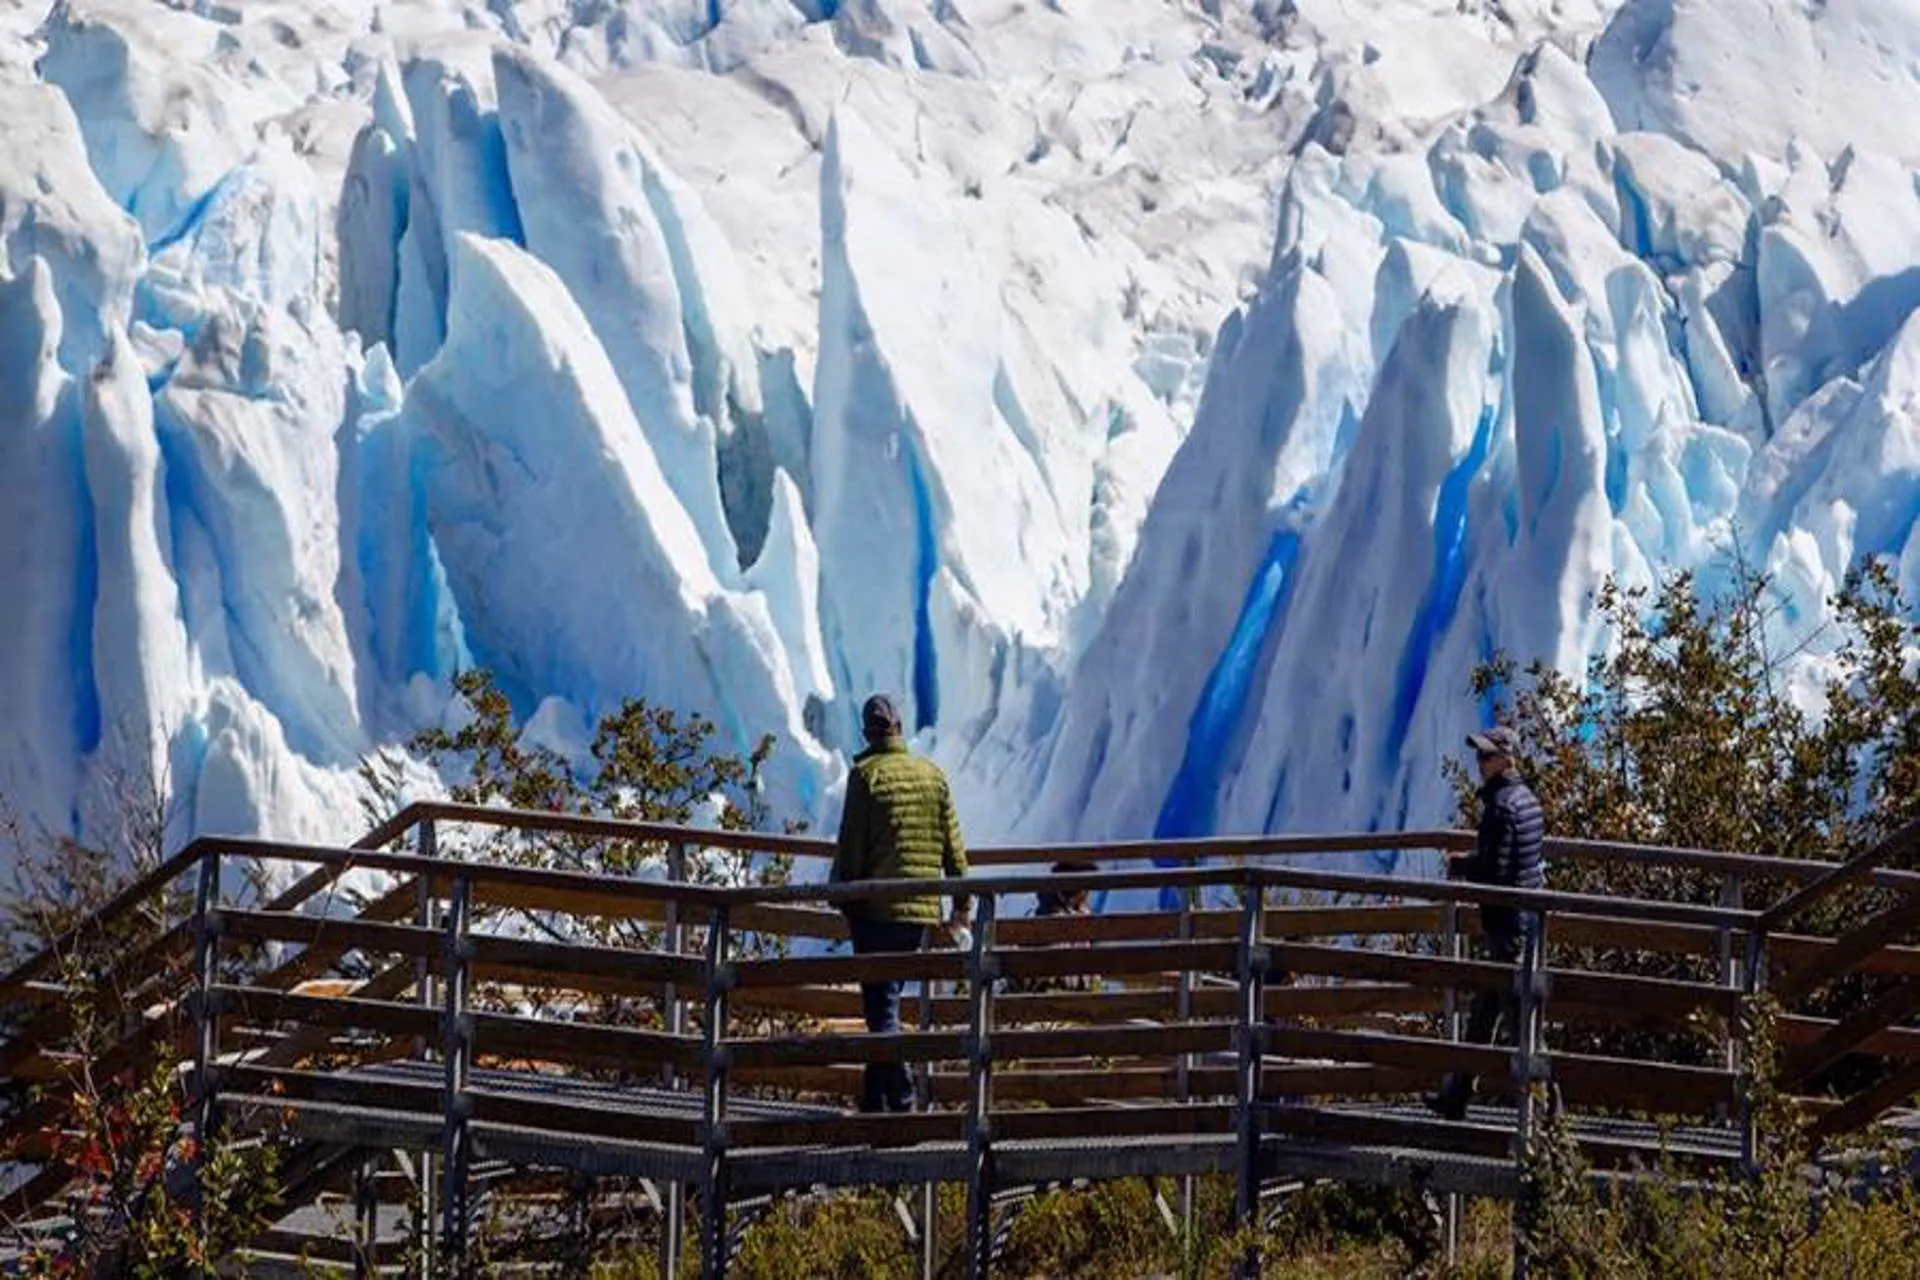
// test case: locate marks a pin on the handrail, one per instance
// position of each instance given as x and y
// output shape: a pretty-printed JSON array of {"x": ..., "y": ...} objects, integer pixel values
[
  {"x": 627, "y": 889},
  {"x": 1903, "y": 841},
  {"x": 1135, "y": 850},
  {"x": 128, "y": 898},
  {"x": 608, "y": 886},
  {"x": 1821, "y": 878},
  {"x": 118, "y": 905}
]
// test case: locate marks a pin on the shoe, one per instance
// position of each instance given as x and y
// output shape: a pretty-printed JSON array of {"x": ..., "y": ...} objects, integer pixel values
[{"x": 1446, "y": 1108}]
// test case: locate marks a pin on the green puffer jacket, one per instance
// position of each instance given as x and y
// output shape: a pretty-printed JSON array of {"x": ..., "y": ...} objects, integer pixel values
[{"x": 898, "y": 824}]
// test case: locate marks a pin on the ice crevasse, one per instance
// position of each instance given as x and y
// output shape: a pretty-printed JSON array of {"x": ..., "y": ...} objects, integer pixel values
[{"x": 1172, "y": 431}]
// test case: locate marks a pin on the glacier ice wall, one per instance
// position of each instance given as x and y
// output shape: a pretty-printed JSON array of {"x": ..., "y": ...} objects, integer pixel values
[
  {"x": 1591, "y": 349},
  {"x": 1170, "y": 406}
]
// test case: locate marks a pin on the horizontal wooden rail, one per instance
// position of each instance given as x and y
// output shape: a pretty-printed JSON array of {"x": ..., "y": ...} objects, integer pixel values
[
  {"x": 152, "y": 883},
  {"x": 501, "y": 1107},
  {"x": 1818, "y": 879},
  {"x": 526, "y": 955},
  {"x": 1657, "y": 1087},
  {"x": 1862, "y": 868},
  {"x": 829, "y": 1050},
  {"x": 1874, "y": 1018},
  {"x": 1847, "y": 952},
  {"x": 584, "y": 1044},
  {"x": 265, "y": 1005},
  {"x": 1801, "y": 871},
  {"x": 1164, "y": 926}
]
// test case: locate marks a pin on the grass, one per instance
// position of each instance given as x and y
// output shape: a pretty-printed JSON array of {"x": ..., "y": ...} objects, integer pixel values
[{"x": 1111, "y": 1231}]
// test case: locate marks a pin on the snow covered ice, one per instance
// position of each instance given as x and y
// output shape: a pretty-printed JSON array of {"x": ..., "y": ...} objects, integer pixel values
[{"x": 1168, "y": 403}]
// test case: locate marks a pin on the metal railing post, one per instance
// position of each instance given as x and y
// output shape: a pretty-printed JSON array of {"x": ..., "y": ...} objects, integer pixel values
[
  {"x": 929, "y": 1192},
  {"x": 1453, "y": 947},
  {"x": 457, "y": 1047},
  {"x": 427, "y": 845},
  {"x": 713, "y": 1182},
  {"x": 980, "y": 976},
  {"x": 1531, "y": 992},
  {"x": 1183, "y": 1067},
  {"x": 206, "y": 965},
  {"x": 1753, "y": 982},
  {"x": 1732, "y": 963},
  {"x": 1251, "y": 961},
  {"x": 366, "y": 1216},
  {"x": 673, "y": 1211}
]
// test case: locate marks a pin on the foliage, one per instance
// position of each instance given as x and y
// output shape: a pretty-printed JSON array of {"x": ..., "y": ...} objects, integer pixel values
[
  {"x": 58, "y": 881},
  {"x": 647, "y": 764},
  {"x": 1767, "y": 1225},
  {"x": 147, "y": 1198},
  {"x": 1684, "y": 732},
  {"x": 1105, "y": 1231}
]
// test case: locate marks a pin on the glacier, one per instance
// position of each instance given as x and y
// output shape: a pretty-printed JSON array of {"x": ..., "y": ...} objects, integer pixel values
[{"x": 1169, "y": 404}]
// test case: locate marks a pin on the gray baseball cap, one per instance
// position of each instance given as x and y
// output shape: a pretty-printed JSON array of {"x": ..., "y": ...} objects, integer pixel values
[{"x": 1497, "y": 741}]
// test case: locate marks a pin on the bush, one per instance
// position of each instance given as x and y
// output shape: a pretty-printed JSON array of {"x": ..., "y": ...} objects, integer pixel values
[
  {"x": 147, "y": 1196},
  {"x": 1685, "y": 732}
]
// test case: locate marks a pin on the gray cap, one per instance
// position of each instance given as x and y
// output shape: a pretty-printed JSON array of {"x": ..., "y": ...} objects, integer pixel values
[
  {"x": 1497, "y": 741},
  {"x": 879, "y": 718}
]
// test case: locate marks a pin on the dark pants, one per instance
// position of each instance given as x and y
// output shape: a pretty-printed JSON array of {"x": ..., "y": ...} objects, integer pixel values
[
  {"x": 885, "y": 1086},
  {"x": 1492, "y": 1010}
]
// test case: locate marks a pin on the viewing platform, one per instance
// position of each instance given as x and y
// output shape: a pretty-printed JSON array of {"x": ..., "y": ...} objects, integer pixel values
[{"x": 464, "y": 1039}]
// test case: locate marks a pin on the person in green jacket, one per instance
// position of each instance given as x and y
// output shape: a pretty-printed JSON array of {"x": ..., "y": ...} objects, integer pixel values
[{"x": 898, "y": 823}]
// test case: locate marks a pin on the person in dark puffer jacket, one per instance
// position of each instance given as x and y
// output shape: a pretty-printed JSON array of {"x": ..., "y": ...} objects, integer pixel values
[
  {"x": 898, "y": 823},
  {"x": 1507, "y": 852}
]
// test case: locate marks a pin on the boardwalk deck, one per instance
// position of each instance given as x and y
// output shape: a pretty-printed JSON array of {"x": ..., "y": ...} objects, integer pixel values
[{"x": 1276, "y": 1029}]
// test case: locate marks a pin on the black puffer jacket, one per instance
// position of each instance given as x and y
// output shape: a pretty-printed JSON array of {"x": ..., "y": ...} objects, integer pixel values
[{"x": 1512, "y": 828}]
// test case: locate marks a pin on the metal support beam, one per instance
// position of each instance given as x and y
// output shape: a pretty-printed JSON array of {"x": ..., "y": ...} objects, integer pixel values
[
  {"x": 1252, "y": 965},
  {"x": 673, "y": 1212},
  {"x": 979, "y": 1096},
  {"x": 456, "y": 1037},
  {"x": 713, "y": 1183}
]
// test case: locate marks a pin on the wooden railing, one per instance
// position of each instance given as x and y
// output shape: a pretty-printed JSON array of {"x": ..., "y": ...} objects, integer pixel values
[{"x": 1214, "y": 1032}]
